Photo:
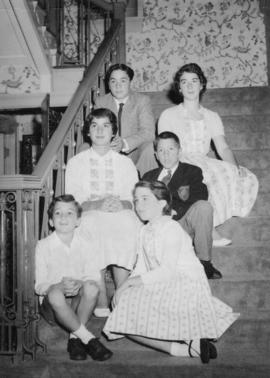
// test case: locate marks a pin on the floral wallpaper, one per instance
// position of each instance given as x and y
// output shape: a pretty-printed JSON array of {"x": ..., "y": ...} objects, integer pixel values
[
  {"x": 18, "y": 79},
  {"x": 225, "y": 37}
]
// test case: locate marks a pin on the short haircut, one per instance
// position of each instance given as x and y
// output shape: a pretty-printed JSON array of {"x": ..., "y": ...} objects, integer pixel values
[
  {"x": 99, "y": 113},
  {"x": 160, "y": 191},
  {"x": 190, "y": 68},
  {"x": 119, "y": 66},
  {"x": 166, "y": 135},
  {"x": 66, "y": 198}
]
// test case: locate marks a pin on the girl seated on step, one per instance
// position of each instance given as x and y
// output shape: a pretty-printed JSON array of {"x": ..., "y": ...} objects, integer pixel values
[
  {"x": 232, "y": 189},
  {"x": 102, "y": 181},
  {"x": 166, "y": 303}
]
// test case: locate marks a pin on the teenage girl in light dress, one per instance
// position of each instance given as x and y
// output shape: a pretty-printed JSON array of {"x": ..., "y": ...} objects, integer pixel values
[
  {"x": 166, "y": 303},
  {"x": 102, "y": 181},
  {"x": 232, "y": 188}
]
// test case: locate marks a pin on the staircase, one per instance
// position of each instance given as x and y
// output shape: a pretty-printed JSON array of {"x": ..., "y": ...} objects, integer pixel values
[{"x": 244, "y": 349}]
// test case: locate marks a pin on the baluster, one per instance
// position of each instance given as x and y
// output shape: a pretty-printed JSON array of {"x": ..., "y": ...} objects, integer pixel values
[{"x": 8, "y": 343}]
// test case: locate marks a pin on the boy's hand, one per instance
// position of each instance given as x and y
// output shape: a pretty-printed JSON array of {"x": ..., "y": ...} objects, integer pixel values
[
  {"x": 71, "y": 286},
  {"x": 242, "y": 172},
  {"x": 183, "y": 192},
  {"x": 112, "y": 204},
  {"x": 117, "y": 144}
]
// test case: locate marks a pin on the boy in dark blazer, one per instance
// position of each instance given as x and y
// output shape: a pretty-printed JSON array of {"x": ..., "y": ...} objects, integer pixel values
[{"x": 189, "y": 197}]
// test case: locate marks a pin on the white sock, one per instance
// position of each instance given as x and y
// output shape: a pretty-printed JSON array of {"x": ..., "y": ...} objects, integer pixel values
[
  {"x": 178, "y": 349},
  {"x": 195, "y": 348},
  {"x": 83, "y": 334},
  {"x": 72, "y": 336},
  {"x": 102, "y": 312}
]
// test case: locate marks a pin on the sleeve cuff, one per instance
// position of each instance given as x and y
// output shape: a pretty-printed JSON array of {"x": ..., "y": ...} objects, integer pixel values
[{"x": 126, "y": 146}]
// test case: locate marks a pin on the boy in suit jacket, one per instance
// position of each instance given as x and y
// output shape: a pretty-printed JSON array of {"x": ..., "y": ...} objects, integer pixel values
[
  {"x": 136, "y": 121},
  {"x": 189, "y": 197}
]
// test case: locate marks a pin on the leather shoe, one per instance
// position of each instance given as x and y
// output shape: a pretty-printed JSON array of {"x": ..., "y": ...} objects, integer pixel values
[
  {"x": 76, "y": 350},
  {"x": 97, "y": 350},
  {"x": 212, "y": 351},
  {"x": 211, "y": 272},
  {"x": 205, "y": 350}
]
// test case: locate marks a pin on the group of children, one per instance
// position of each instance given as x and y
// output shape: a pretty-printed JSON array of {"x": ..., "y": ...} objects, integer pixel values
[{"x": 162, "y": 296}]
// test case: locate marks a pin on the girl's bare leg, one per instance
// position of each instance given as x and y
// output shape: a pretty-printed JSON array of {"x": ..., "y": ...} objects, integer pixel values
[
  {"x": 120, "y": 275},
  {"x": 172, "y": 348}
]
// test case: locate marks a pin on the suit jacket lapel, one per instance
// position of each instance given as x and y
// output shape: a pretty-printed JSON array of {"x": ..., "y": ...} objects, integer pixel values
[
  {"x": 113, "y": 104},
  {"x": 130, "y": 104},
  {"x": 177, "y": 176}
]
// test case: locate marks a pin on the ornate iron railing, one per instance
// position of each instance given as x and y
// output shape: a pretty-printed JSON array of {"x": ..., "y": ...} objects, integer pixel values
[{"x": 24, "y": 201}]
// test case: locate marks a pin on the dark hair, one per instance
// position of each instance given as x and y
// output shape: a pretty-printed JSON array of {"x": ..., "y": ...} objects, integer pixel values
[
  {"x": 166, "y": 135},
  {"x": 190, "y": 68},
  {"x": 99, "y": 113},
  {"x": 160, "y": 191},
  {"x": 66, "y": 198},
  {"x": 119, "y": 66}
]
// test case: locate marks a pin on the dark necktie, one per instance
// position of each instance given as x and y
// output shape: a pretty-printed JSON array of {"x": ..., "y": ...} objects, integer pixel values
[
  {"x": 119, "y": 118},
  {"x": 166, "y": 179}
]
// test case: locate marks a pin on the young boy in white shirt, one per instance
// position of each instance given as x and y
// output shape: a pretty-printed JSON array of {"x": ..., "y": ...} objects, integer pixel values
[{"x": 67, "y": 276}]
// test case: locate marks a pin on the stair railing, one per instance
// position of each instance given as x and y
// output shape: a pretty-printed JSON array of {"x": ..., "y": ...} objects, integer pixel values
[{"x": 24, "y": 202}]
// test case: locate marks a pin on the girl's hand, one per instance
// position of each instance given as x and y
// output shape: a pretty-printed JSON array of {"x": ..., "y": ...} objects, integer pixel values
[
  {"x": 130, "y": 282},
  {"x": 242, "y": 172}
]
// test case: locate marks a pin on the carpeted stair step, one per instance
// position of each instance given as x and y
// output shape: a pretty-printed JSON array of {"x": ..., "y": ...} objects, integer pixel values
[
  {"x": 256, "y": 159},
  {"x": 243, "y": 295},
  {"x": 227, "y": 102},
  {"x": 246, "y": 330},
  {"x": 249, "y": 107},
  {"x": 245, "y": 140},
  {"x": 244, "y": 261},
  {"x": 251, "y": 231},
  {"x": 246, "y": 123},
  {"x": 233, "y": 362},
  {"x": 263, "y": 176},
  {"x": 261, "y": 206}
]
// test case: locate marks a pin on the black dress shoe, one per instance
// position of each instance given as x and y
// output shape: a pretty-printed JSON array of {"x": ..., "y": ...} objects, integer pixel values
[
  {"x": 211, "y": 272},
  {"x": 212, "y": 351},
  {"x": 205, "y": 350},
  {"x": 76, "y": 350},
  {"x": 97, "y": 350}
]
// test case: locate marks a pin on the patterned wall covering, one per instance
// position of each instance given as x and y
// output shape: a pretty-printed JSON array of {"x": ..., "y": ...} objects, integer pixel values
[
  {"x": 18, "y": 79},
  {"x": 226, "y": 37}
]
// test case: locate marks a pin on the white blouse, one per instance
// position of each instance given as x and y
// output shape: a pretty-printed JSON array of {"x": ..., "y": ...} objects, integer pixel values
[{"x": 90, "y": 176}]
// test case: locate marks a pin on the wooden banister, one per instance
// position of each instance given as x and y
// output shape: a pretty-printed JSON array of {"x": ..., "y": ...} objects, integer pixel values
[{"x": 90, "y": 80}]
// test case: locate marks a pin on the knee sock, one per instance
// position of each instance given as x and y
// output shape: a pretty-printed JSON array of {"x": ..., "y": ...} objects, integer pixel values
[
  {"x": 195, "y": 349},
  {"x": 83, "y": 334}
]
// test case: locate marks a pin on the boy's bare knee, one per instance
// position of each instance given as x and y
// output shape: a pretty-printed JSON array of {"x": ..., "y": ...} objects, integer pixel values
[
  {"x": 55, "y": 296},
  {"x": 204, "y": 206},
  {"x": 90, "y": 289}
]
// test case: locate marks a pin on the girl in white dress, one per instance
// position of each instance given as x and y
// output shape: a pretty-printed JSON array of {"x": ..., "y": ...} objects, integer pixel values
[
  {"x": 232, "y": 189},
  {"x": 167, "y": 298},
  {"x": 102, "y": 181}
]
